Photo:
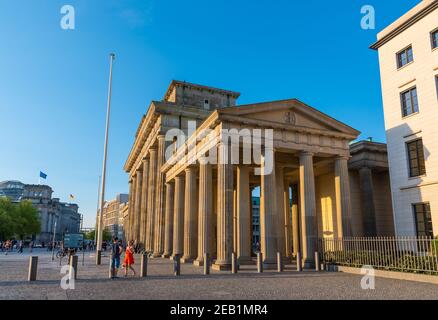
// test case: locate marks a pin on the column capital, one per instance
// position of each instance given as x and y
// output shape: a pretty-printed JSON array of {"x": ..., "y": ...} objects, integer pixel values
[
  {"x": 343, "y": 157},
  {"x": 306, "y": 154},
  {"x": 161, "y": 137}
]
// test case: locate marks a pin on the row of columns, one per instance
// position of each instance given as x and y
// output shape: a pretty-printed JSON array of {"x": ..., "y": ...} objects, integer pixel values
[{"x": 177, "y": 217}]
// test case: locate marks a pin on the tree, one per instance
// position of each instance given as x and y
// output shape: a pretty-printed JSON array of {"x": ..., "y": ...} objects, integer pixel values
[
  {"x": 106, "y": 235},
  {"x": 29, "y": 220},
  {"x": 19, "y": 220},
  {"x": 7, "y": 226}
]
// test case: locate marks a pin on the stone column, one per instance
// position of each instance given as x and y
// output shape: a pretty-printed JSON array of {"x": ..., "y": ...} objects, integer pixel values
[
  {"x": 137, "y": 207},
  {"x": 367, "y": 201},
  {"x": 224, "y": 208},
  {"x": 160, "y": 207},
  {"x": 295, "y": 221},
  {"x": 144, "y": 202},
  {"x": 205, "y": 211},
  {"x": 150, "y": 221},
  {"x": 287, "y": 219},
  {"x": 268, "y": 214},
  {"x": 243, "y": 216},
  {"x": 178, "y": 217},
  {"x": 343, "y": 205},
  {"x": 168, "y": 233},
  {"x": 308, "y": 210},
  {"x": 190, "y": 216},
  {"x": 131, "y": 207},
  {"x": 281, "y": 239}
]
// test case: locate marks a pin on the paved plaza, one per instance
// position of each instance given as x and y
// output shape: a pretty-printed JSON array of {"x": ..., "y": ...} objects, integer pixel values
[{"x": 93, "y": 283}]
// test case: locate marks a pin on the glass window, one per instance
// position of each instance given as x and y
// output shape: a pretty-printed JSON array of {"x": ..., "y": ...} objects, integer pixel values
[
  {"x": 409, "y": 101},
  {"x": 417, "y": 166},
  {"x": 434, "y": 38},
  {"x": 404, "y": 57},
  {"x": 423, "y": 219}
]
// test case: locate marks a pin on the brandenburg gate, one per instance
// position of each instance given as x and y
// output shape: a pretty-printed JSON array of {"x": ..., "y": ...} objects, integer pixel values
[{"x": 197, "y": 158}]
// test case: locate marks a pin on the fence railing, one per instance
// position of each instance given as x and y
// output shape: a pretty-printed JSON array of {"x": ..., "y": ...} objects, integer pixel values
[{"x": 405, "y": 254}]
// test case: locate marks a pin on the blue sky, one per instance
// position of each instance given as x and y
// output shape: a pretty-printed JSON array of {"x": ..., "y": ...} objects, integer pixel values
[{"x": 53, "y": 82}]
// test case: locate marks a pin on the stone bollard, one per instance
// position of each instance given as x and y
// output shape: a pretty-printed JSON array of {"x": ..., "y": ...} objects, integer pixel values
[
  {"x": 206, "y": 263},
  {"x": 144, "y": 265},
  {"x": 299, "y": 262},
  {"x": 73, "y": 267},
  {"x": 233, "y": 262},
  {"x": 317, "y": 263},
  {"x": 279, "y": 262},
  {"x": 177, "y": 265},
  {"x": 98, "y": 257},
  {"x": 33, "y": 267},
  {"x": 259, "y": 262}
]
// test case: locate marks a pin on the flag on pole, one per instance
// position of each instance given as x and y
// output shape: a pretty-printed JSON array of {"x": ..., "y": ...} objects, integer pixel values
[{"x": 43, "y": 175}]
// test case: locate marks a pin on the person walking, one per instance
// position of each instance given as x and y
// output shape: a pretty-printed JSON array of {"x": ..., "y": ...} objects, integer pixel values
[
  {"x": 31, "y": 246},
  {"x": 116, "y": 251},
  {"x": 129, "y": 258},
  {"x": 20, "y": 247}
]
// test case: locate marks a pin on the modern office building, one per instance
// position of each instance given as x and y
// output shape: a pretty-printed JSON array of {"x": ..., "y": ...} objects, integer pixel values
[
  {"x": 408, "y": 56},
  {"x": 112, "y": 217}
]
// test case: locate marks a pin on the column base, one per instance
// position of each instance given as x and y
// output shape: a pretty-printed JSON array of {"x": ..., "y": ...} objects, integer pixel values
[
  {"x": 221, "y": 266},
  {"x": 187, "y": 260},
  {"x": 198, "y": 262},
  {"x": 156, "y": 255}
]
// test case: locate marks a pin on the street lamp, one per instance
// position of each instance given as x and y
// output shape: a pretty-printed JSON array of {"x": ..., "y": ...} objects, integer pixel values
[{"x": 105, "y": 149}]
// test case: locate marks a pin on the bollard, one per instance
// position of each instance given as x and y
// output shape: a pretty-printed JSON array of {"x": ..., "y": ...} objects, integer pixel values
[
  {"x": 259, "y": 262},
  {"x": 299, "y": 262},
  {"x": 317, "y": 263},
  {"x": 111, "y": 271},
  {"x": 98, "y": 257},
  {"x": 33, "y": 267},
  {"x": 177, "y": 265},
  {"x": 73, "y": 267},
  {"x": 279, "y": 262},
  {"x": 233, "y": 263},
  {"x": 206, "y": 263},
  {"x": 144, "y": 265}
]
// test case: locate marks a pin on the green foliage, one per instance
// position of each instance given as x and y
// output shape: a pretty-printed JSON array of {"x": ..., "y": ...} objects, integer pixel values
[
  {"x": 18, "y": 220},
  {"x": 106, "y": 235}
]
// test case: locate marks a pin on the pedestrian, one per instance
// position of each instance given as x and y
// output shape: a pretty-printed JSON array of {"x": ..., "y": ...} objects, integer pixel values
[
  {"x": 116, "y": 251},
  {"x": 20, "y": 246},
  {"x": 129, "y": 258},
  {"x": 30, "y": 246}
]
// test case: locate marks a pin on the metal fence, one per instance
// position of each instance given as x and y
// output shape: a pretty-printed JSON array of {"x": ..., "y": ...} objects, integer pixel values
[{"x": 405, "y": 254}]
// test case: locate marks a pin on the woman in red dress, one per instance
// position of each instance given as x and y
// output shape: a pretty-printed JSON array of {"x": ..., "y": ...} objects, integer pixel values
[{"x": 129, "y": 258}]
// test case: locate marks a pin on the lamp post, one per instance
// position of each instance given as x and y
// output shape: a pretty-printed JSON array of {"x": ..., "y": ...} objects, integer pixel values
[
  {"x": 105, "y": 149},
  {"x": 53, "y": 241}
]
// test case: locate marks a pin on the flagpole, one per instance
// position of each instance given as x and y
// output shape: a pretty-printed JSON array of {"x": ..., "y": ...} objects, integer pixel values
[
  {"x": 105, "y": 149},
  {"x": 97, "y": 211}
]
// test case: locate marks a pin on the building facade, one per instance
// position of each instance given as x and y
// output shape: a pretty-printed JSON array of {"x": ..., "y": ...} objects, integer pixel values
[
  {"x": 52, "y": 212},
  {"x": 181, "y": 203},
  {"x": 408, "y": 56},
  {"x": 113, "y": 219}
]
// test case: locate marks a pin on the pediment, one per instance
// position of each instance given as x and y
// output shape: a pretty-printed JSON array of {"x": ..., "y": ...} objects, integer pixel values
[{"x": 290, "y": 113}]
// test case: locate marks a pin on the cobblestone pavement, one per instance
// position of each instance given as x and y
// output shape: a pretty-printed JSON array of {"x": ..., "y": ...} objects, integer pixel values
[{"x": 93, "y": 283}]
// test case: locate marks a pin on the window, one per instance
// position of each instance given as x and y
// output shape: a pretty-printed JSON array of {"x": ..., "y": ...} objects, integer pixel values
[
  {"x": 404, "y": 57},
  {"x": 409, "y": 101},
  {"x": 206, "y": 104},
  {"x": 434, "y": 38},
  {"x": 423, "y": 219},
  {"x": 436, "y": 84},
  {"x": 417, "y": 165}
]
